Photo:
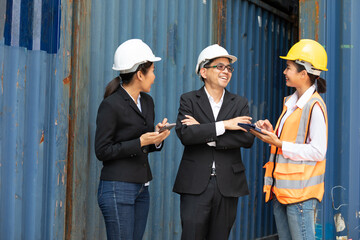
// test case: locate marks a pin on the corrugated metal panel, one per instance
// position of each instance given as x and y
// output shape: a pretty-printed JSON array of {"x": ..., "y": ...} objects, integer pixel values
[
  {"x": 34, "y": 123},
  {"x": 81, "y": 172},
  {"x": 335, "y": 24},
  {"x": 176, "y": 31},
  {"x": 258, "y": 37}
]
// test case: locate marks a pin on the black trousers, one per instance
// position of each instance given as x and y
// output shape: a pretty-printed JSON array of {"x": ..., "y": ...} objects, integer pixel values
[{"x": 208, "y": 215}]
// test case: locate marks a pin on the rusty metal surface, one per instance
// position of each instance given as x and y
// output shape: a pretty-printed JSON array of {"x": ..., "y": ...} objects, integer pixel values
[
  {"x": 309, "y": 20},
  {"x": 220, "y": 20},
  {"x": 78, "y": 169}
]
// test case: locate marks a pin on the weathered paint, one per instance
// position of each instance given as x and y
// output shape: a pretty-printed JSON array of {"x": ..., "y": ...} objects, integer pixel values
[
  {"x": 34, "y": 125},
  {"x": 78, "y": 174},
  {"x": 312, "y": 24},
  {"x": 337, "y": 29}
]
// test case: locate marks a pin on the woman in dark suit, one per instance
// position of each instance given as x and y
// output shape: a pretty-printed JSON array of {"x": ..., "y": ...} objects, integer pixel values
[{"x": 124, "y": 137}]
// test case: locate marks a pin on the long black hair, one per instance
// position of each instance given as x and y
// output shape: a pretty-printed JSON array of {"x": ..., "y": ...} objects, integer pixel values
[
  {"x": 321, "y": 83},
  {"x": 125, "y": 78}
]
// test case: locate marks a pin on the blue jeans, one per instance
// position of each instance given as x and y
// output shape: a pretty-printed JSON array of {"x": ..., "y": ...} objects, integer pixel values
[
  {"x": 125, "y": 208},
  {"x": 295, "y": 221}
]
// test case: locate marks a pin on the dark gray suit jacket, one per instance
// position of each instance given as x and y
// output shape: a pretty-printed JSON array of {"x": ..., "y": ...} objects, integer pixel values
[{"x": 195, "y": 167}]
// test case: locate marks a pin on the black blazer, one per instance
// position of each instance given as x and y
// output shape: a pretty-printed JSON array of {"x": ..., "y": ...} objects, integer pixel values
[
  {"x": 119, "y": 125},
  {"x": 195, "y": 167}
]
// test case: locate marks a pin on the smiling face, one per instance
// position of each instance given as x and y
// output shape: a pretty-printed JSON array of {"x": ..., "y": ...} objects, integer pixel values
[
  {"x": 292, "y": 76},
  {"x": 215, "y": 78}
]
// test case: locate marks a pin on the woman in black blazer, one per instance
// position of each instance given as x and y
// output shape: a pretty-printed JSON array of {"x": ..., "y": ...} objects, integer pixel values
[{"x": 124, "y": 137}]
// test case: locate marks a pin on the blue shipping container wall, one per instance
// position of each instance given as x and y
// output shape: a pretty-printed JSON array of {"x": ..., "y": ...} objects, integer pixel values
[
  {"x": 34, "y": 119},
  {"x": 53, "y": 76},
  {"x": 257, "y": 37},
  {"x": 335, "y": 24}
]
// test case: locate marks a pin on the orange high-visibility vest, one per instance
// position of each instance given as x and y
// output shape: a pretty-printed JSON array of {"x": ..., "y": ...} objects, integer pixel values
[{"x": 295, "y": 181}]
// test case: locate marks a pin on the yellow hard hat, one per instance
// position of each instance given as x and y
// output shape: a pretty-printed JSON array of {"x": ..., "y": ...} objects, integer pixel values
[{"x": 309, "y": 51}]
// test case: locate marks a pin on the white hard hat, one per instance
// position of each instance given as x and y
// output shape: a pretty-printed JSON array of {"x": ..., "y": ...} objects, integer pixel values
[
  {"x": 130, "y": 54},
  {"x": 211, "y": 52}
]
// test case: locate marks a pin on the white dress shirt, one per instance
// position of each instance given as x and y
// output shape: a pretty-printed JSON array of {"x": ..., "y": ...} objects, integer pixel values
[
  {"x": 316, "y": 143},
  {"x": 220, "y": 128}
]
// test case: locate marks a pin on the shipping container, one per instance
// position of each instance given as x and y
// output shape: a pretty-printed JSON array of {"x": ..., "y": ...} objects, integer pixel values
[{"x": 56, "y": 59}]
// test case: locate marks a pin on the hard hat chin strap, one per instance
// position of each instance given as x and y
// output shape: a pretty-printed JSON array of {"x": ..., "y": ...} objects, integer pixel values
[{"x": 309, "y": 67}]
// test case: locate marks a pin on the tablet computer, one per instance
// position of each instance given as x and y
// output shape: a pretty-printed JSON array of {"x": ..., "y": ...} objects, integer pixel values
[
  {"x": 248, "y": 126},
  {"x": 167, "y": 126}
]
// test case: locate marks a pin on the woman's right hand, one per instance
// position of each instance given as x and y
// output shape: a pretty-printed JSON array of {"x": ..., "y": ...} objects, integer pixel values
[
  {"x": 153, "y": 138},
  {"x": 264, "y": 124}
]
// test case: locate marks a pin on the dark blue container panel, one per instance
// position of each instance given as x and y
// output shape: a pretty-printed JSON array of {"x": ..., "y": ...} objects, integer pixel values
[
  {"x": 257, "y": 37},
  {"x": 335, "y": 24}
]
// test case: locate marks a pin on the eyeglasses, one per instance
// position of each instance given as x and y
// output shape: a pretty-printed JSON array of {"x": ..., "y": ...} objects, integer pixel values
[{"x": 222, "y": 67}]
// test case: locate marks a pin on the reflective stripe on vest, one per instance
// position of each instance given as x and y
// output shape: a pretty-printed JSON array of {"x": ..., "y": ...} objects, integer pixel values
[
  {"x": 296, "y": 184},
  {"x": 295, "y": 181},
  {"x": 282, "y": 159}
]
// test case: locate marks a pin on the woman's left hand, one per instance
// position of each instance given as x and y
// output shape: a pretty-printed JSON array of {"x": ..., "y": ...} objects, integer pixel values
[{"x": 268, "y": 137}]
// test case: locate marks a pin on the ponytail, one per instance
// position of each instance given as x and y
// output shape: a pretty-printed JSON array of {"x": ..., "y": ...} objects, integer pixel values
[
  {"x": 320, "y": 82},
  {"x": 112, "y": 86}
]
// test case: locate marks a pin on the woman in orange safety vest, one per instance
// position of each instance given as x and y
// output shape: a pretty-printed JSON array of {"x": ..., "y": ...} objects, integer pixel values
[{"x": 294, "y": 174}]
